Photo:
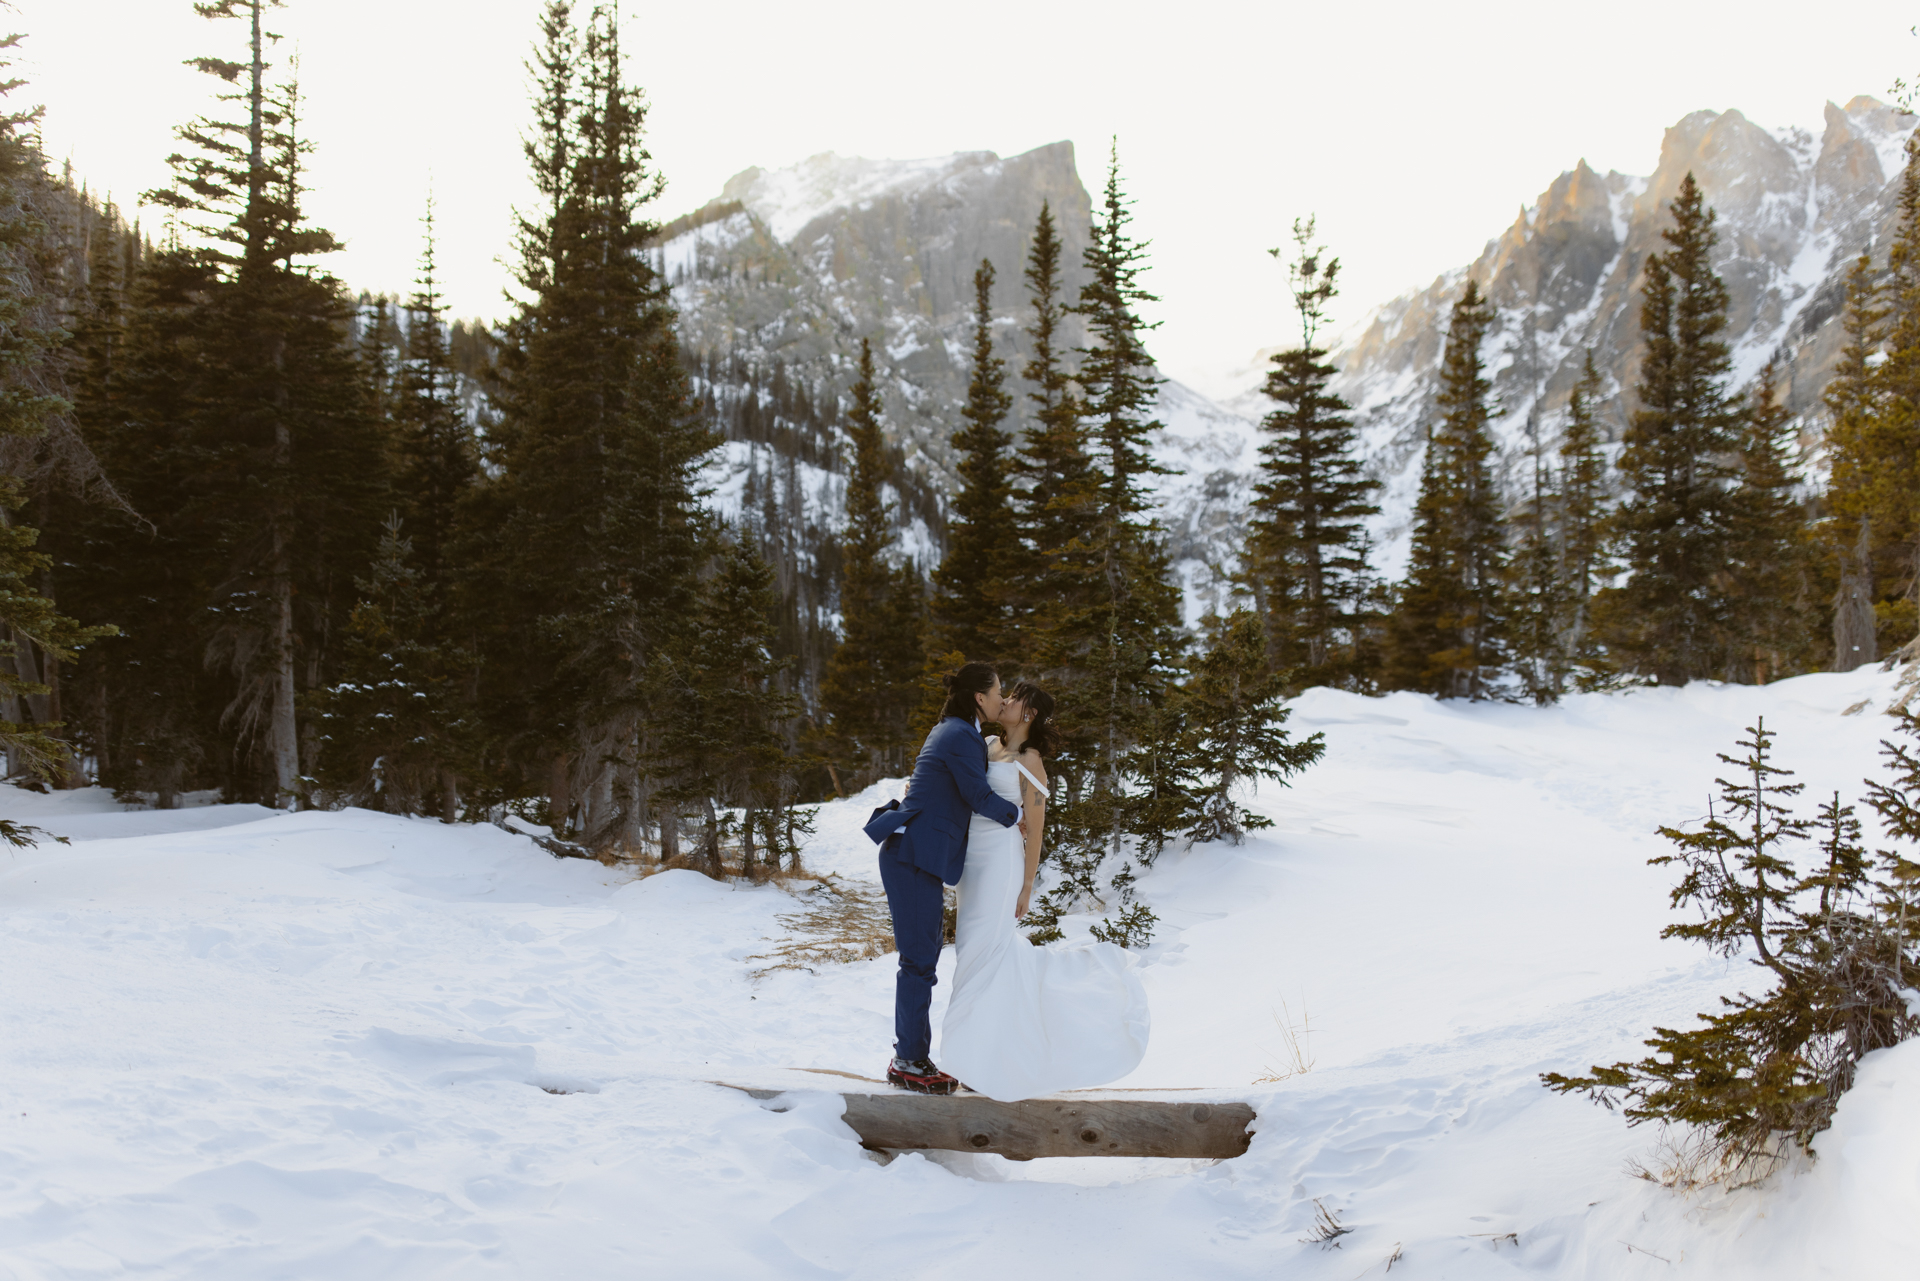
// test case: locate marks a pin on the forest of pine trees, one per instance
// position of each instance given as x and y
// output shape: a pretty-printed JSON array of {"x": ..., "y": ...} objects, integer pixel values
[{"x": 272, "y": 538}]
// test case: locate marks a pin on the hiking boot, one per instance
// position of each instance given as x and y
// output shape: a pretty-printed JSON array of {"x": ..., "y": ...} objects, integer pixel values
[{"x": 920, "y": 1076}]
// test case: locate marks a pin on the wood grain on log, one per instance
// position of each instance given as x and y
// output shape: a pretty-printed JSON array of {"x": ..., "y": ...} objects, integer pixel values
[{"x": 1058, "y": 1126}]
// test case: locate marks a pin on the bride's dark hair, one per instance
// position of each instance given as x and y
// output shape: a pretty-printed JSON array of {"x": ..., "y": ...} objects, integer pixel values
[{"x": 1043, "y": 736}]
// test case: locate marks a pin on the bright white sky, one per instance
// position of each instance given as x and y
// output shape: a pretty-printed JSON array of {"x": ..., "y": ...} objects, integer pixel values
[{"x": 1414, "y": 130}]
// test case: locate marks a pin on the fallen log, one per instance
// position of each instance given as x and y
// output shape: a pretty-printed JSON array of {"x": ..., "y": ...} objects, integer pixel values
[{"x": 1060, "y": 1125}]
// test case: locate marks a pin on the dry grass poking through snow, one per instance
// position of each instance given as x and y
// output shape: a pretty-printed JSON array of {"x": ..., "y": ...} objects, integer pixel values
[
  {"x": 838, "y": 921},
  {"x": 1692, "y": 1160},
  {"x": 1296, "y": 1046}
]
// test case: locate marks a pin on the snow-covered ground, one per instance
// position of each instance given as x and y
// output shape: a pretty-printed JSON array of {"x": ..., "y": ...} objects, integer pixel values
[{"x": 236, "y": 1045}]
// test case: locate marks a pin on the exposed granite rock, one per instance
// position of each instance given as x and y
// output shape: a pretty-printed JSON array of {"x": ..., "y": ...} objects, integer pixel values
[{"x": 1793, "y": 214}]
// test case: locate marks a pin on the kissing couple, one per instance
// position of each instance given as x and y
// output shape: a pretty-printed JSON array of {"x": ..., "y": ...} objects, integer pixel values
[{"x": 1023, "y": 1021}]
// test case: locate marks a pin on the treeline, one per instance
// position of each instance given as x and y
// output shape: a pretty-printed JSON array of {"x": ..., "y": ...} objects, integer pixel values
[
  {"x": 315, "y": 549},
  {"x": 1697, "y": 546},
  {"x": 350, "y": 553},
  {"x": 1693, "y": 555}
]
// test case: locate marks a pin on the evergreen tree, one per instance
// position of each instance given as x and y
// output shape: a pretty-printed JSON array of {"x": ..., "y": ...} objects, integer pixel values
[
  {"x": 1446, "y": 633},
  {"x": 1582, "y": 514},
  {"x": 393, "y": 726},
  {"x": 871, "y": 685},
  {"x": 380, "y": 336},
  {"x": 1838, "y": 950},
  {"x": 396, "y": 725},
  {"x": 1234, "y": 715},
  {"x": 1771, "y": 631},
  {"x": 971, "y": 609},
  {"x": 284, "y": 496},
  {"x": 1669, "y": 618},
  {"x": 1851, "y": 397},
  {"x": 1874, "y": 445},
  {"x": 1057, "y": 499},
  {"x": 1112, "y": 642},
  {"x": 436, "y": 448},
  {"x": 35, "y": 631},
  {"x": 728, "y": 738},
  {"x": 580, "y": 555},
  {"x": 1535, "y": 591},
  {"x": 149, "y": 707},
  {"x": 1306, "y": 555}
]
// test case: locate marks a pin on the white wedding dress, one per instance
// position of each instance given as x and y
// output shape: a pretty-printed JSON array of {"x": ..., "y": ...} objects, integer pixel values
[{"x": 1024, "y": 1020}]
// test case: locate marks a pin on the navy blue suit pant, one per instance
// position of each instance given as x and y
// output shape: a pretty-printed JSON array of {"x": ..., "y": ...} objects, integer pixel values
[{"x": 914, "y": 895}]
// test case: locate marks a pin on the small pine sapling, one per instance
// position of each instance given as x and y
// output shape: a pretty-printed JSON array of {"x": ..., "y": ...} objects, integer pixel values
[
  {"x": 1769, "y": 1070},
  {"x": 1734, "y": 872},
  {"x": 1234, "y": 731}
]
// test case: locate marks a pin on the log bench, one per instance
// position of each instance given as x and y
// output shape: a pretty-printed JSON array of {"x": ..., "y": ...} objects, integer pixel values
[{"x": 1078, "y": 1123}]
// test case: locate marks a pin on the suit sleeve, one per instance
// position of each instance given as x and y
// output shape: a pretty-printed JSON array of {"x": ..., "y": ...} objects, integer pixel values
[{"x": 970, "y": 776}]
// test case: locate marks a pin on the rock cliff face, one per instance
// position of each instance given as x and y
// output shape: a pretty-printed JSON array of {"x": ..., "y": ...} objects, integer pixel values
[
  {"x": 795, "y": 266},
  {"x": 779, "y": 277},
  {"x": 1794, "y": 211}
]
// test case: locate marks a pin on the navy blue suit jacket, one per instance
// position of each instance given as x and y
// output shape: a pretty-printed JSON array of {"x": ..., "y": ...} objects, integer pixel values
[{"x": 949, "y": 786}]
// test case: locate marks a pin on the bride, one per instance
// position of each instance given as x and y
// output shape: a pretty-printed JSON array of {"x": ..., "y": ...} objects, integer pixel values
[{"x": 1024, "y": 1020}]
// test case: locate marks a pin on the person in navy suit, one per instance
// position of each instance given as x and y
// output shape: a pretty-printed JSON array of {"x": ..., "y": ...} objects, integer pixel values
[{"x": 923, "y": 845}]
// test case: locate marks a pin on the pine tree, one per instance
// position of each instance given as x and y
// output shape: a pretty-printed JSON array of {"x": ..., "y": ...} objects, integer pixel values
[
  {"x": 284, "y": 497},
  {"x": 1768, "y": 1070},
  {"x": 1851, "y": 397},
  {"x": 149, "y": 707},
  {"x": 1874, "y": 446},
  {"x": 579, "y": 556},
  {"x": 1770, "y": 627},
  {"x": 1112, "y": 643},
  {"x": 437, "y": 456},
  {"x": 1057, "y": 498},
  {"x": 1446, "y": 633},
  {"x": 871, "y": 685},
  {"x": 30, "y": 338},
  {"x": 1234, "y": 713},
  {"x": 1307, "y": 563},
  {"x": 380, "y": 336},
  {"x": 1669, "y": 618},
  {"x": 1535, "y": 591},
  {"x": 394, "y": 724},
  {"x": 972, "y": 606},
  {"x": 730, "y": 715},
  {"x": 1582, "y": 514}
]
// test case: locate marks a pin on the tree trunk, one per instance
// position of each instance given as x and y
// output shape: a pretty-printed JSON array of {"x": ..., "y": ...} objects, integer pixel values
[
  {"x": 669, "y": 835},
  {"x": 166, "y": 794},
  {"x": 711, "y": 840},
  {"x": 449, "y": 797},
  {"x": 1854, "y": 642},
  {"x": 746, "y": 841},
  {"x": 68, "y": 772},
  {"x": 559, "y": 793},
  {"x": 283, "y": 733}
]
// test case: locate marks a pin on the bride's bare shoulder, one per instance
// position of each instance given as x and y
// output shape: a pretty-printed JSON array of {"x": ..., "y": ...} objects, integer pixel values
[{"x": 1035, "y": 765}]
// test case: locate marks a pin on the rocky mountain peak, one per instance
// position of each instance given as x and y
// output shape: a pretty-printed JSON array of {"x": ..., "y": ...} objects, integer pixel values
[{"x": 1792, "y": 213}]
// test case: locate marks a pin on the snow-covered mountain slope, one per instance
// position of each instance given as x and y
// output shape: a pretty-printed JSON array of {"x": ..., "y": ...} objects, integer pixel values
[
  {"x": 794, "y": 267},
  {"x": 790, "y": 268},
  {"x": 347, "y": 1044},
  {"x": 1794, "y": 212}
]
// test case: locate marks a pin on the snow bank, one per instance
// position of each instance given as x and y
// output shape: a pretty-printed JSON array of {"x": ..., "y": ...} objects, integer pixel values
[{"x": 243, "y": 1045}]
